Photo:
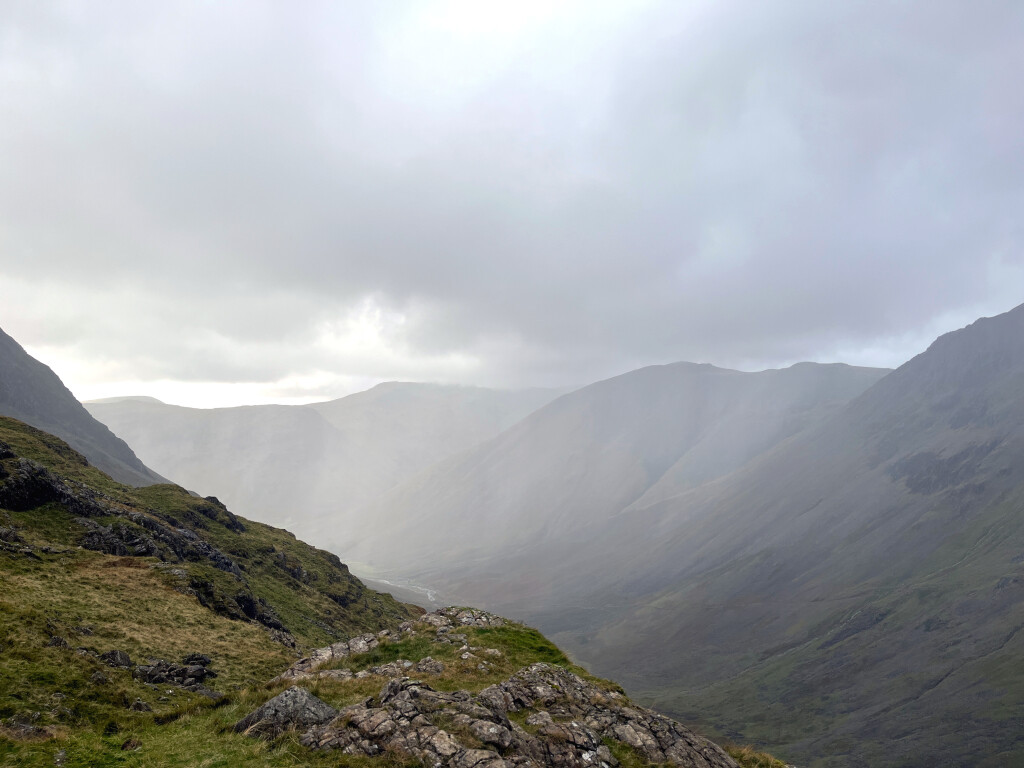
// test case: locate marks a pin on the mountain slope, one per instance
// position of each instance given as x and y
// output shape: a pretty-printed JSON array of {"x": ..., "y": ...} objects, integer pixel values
[
  {"x": 867, "y": 577},
  {"x": 31, "y": 392},
  {"x": 123, "y": 609},
  {"x": 339, "y": 455},
  {"x": 850, "y": 597},
  {"x": 564, "y": 472}
]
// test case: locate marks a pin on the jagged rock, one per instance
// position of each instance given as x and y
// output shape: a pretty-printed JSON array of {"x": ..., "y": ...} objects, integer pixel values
[
  {"x": 396, "y": 668},
  {"x": 31, "y": 485},
  {"x": 305, "y": 666},
  {"x": 99, "y": 678},
  {"x": 491, "y": 733},
  {"x": 117, "y": 658},
  {"x": 470, "y": 617},
  {"x": 294, "y": 708},
  {"x": 436, "y": 620},
  {"x": 404, "y": 714},
  {"x": 57, "y": 642},
  {"x": 539, "y": 718},
  {"x": 429, "y": 666},
  {"x": 196, "y": 658},
  {"x": 160, "y": 672},
  {"x": 101, "y": 538},
  {"x": 256, "y": 608},
  {"x": 441, "y": 620},
  {"x": 284, "y": 638},
  {"x": 575, "y": 716},
  {"x": 133, "y": 534},
  {"x": 27, "y": 731}
]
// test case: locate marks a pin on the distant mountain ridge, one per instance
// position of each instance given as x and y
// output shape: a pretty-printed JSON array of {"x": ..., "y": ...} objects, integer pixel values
[
  {"x": 31, "y": 392},
  {"x": 338, "y": 455},
  {"x": 851, "y": 595},
  {"x": 600, "y": 451}
]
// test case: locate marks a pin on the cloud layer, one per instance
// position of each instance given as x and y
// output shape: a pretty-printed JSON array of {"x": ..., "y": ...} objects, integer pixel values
[{"x": 310, "y": 199}]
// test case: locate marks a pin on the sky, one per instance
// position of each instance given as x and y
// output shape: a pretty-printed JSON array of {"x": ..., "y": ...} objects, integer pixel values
[{"x": 218, "y": 203}]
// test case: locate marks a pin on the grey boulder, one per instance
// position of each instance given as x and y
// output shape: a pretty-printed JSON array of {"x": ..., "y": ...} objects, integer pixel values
[{"x": 294, "y": 708}]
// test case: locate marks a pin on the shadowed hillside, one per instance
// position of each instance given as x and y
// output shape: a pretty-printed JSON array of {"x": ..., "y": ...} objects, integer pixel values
[
  {"x": 848, "y": 596},
  {"x": 562, "y": 475},
  {"x": 31, "y": 392}
]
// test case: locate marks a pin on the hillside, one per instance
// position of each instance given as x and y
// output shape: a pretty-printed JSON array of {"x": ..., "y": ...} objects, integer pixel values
[
  {"x": 851, "y": 596},
  {"x": 31, "y": 392},
  {"x": 150, "y": 627},
  {"x": 339, "y": 455},
  {"x": 554, "y": 481},
  {"x": 867, "y": 578}
]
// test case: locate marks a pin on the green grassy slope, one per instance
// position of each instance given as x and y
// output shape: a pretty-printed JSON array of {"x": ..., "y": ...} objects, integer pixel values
[
  {"x": 62, "y": 605},
  {"x": 248, "y": 595},
  {"x": 240, "y": 569}
]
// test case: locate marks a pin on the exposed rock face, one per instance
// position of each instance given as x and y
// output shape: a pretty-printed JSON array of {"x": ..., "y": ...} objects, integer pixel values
[
  {"x": 443, "y": 620},
  {"x": 294, "y": 708},
  {"x": 570, "y": 730},
  {"x": 28, "y": 484},
  {"x": 543, "y": 715},
  {"x": 306, "y": 666}
]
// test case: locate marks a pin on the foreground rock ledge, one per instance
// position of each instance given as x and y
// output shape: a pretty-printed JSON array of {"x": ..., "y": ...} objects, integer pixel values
[
  {"x": 567, "y": 725},
  {"x": 441, "y": 620},
  {"x": 543, "y": 715}
]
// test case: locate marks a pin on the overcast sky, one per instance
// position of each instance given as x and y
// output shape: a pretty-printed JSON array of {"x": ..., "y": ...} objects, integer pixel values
[{"x": 233, "y": 202}]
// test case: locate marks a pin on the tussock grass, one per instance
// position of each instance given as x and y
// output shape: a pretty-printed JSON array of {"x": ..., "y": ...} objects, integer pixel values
[{"x": 748, "y": 757}]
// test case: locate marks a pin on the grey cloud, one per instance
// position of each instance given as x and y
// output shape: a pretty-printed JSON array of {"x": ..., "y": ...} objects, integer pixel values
[{"x": 732, "y": 182}]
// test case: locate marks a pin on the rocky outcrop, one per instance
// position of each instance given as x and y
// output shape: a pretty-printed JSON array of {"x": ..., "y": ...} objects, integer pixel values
[
  {"x": 160, "y": 672},
  {"x": 543, "y": 715},
  {"x": 190, "y": 675},
  {"x": 305, "y": 666},
  {"x": 117, "y": 658},
  {"x": 28, "y": 484},
  {"x": 569, "y": 725},
  {"x": 295, "y": 708},
  {"x": 441, "y": 621}
]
